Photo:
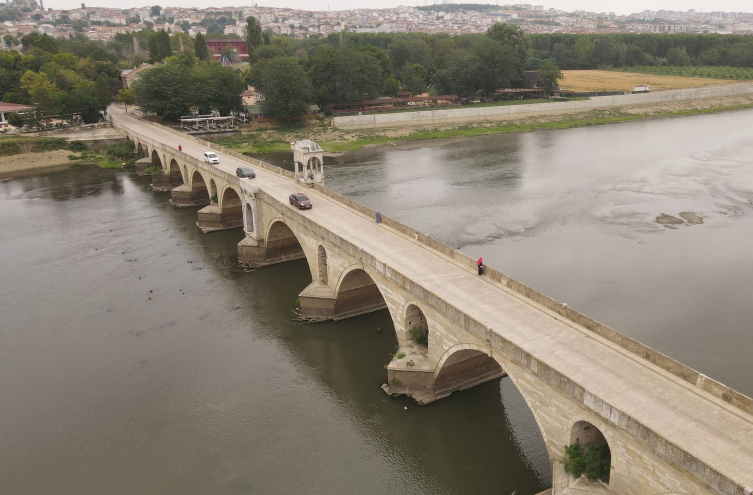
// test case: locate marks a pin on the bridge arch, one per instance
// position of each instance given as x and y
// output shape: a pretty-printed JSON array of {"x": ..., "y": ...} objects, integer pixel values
[
  {"x": 156, "y": 160},
  {"x": 282, "y": 243},
  {"x": 199, "y": 191},
  {"x": 357, "y": 293},
  {"x": 321, "y": 263},
  {"x": 231, "y": 207},
  {"x": 416, "y": 325},
  {"x": 464, "y": 366},
  {"x": 176, "y": 177},
  {"x": 594, "y": 445}
]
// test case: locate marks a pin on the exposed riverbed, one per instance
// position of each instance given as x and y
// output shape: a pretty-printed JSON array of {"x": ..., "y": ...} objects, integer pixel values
[{"x": 136, "y": 357}]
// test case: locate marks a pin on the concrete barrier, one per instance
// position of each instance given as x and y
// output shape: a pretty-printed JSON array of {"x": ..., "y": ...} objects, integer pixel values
[{"x": 481, "y": 114}]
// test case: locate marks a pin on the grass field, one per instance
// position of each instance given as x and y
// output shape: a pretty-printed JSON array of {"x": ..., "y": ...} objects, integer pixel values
[{"x": 607, "y": 80}]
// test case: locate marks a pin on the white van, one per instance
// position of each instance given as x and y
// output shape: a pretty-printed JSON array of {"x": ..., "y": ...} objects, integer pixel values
[{"x": 211, "y": 158}]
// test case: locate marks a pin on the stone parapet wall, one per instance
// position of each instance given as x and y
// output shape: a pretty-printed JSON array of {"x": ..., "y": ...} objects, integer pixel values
[{"x": 482, "y": 114}]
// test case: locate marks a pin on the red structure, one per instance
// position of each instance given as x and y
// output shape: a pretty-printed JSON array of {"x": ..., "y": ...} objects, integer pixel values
[{"x": 215, "y": 47}]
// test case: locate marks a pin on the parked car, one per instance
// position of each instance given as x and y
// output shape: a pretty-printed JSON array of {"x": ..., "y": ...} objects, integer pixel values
[
  {"x": 245, "y": 172},
  {"x": 301, "y": 201},
  {"x": 211, "y": 158}
]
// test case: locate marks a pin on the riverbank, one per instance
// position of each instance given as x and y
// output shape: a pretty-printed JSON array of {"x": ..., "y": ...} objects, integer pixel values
[
  {"x": 36, "y": 161},
  {"x": 256, "y": 139},
  {"x": 25, "y": 164}
]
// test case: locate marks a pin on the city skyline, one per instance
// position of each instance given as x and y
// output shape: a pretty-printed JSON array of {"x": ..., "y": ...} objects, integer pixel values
[{"x": 618, "y": 7}]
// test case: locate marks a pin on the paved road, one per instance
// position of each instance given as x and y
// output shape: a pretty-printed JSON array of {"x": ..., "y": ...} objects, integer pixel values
[{"x": 699, "y": 423}]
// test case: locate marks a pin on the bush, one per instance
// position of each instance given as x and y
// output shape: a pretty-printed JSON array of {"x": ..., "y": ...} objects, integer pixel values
[
  {"x": 123, "y": 151},
  {"x": 76, "y": 146},
  {"x": 419, "y": 335},
  {"x": 594, "y": 462}
]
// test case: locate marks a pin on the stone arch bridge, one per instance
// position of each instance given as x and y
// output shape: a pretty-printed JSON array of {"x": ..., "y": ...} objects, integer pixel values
[{"x": 667, "y": 428}]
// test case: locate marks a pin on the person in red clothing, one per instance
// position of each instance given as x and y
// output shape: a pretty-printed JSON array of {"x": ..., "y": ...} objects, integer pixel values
[
  {"x": 480, "y": 266},
  {"x": 180, "y": 148}
]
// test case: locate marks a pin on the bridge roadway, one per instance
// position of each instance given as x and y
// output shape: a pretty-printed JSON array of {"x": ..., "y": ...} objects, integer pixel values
[{"x": 704, "y": 426}]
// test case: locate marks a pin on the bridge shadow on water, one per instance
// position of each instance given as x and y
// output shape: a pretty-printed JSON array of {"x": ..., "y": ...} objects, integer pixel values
[{"x": 482, "y": 440}]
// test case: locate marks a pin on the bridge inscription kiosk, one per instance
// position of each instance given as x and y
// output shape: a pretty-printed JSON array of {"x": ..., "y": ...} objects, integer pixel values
[{"x": 309, "y": 156}]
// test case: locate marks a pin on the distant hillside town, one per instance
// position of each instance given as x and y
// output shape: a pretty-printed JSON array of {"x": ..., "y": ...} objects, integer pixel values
[{"x": 21, "y": 17}]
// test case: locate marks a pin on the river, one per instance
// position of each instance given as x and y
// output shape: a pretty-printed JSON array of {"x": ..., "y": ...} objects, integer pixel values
[{"x": 137, "y": 357}]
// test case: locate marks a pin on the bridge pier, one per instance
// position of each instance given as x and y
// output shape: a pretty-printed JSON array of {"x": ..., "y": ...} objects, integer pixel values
[
  {"x": 212, "y": 218},
  {"x": 280, "y": 246},
  {"x": 427, "y": 383},
  {"x": 165, "y": 182},
  {"x": 142, "y": 164},
  {"x": 185, "y": 197}
]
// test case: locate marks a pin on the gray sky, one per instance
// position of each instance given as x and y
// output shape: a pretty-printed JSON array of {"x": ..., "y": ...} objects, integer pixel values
[{"x": 618, "y": 6}]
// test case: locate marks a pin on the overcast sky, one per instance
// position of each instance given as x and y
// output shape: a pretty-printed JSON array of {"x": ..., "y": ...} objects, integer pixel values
[{"x": 617, "y": 6}]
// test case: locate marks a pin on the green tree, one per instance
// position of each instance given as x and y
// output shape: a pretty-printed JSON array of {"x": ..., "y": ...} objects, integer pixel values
[
  {"x": 409, "y": 51},
  {"x": 156, "y": 9},
  {"x": 390, "y": 87},
  {"x": 584, "y": 49},
  {"x": 678, "y": 56},
  {"x": 16, "y": 120},
  {"x": 497, "y": 67},
  {"x": 165, "y": 90},
  {"x": 200, "y": 47},
  {"x": 127, "y": 97},
  {"x": 413, "y": 78},
  {"x": 102, "y": 92},
  {"x": 40, "y": 91},
  {"x": 254, "y": 38},
  {"x": 287, "y": 89},
  {"x": 461, "y": 73},
  {"x": 83, "y": 101},
  {"x": 344, "y": 75},
  {"x": 40, "y": 41},
  {"x": 606, "y": 50},
  {"x": 159, "y": 45},
  {"x": 515, "y": 39},
  {"x": 220, "y": 88},
  {"x": 10, "y": 40},
  {"x": 551, "y": 75}
]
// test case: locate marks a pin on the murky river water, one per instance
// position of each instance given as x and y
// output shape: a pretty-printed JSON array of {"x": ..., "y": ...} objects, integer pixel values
[{"x": 135, "y": 357}]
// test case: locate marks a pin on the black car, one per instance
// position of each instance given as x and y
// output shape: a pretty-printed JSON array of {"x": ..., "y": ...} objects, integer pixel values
[
  {"x": 245, "y": 172},
  {"x": 300, "y": 200}
]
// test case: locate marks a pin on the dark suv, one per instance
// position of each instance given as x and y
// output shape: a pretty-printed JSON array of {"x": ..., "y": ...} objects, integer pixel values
[
  {"x": 245, "y": 172},
  {"x": 300, "y": 200}
]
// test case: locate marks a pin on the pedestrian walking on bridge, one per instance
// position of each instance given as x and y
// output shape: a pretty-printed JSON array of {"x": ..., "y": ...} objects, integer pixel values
[
  {"x": 480, "y": 266},
  {"x": 378, "y": 217}
]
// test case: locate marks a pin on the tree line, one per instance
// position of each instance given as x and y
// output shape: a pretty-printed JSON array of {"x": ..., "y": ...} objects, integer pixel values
[
  {"x": 592, "y": 51},
  {"x": 75, "y": 75},
  {"x": 58, "y": 78}
]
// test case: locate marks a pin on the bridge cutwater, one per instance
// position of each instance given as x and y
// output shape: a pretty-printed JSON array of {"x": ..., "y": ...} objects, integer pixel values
[{"x": 669, "y": 428}]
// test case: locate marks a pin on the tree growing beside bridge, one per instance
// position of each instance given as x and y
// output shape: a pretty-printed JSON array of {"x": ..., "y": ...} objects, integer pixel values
[{"x": 594, "y": 461}]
